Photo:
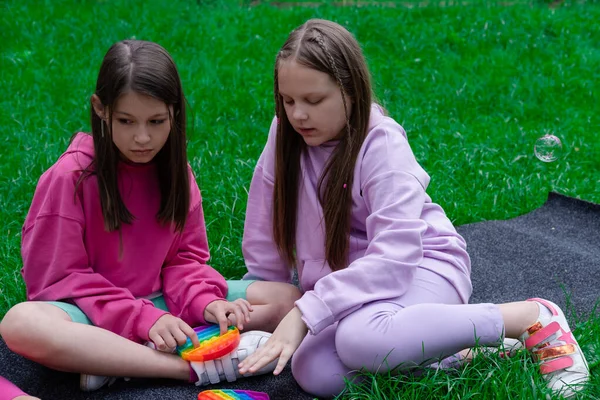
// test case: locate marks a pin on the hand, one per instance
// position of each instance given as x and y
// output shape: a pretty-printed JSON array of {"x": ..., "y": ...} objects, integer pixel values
[
  {"x": 218, "y": 312},
  {"x": 169, "y": 331},
  {"x": 283, "y": 343}
]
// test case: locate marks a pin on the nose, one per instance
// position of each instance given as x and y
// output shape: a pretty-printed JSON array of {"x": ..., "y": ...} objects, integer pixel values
[
  {"x": 142, "y": 136},
  {"x": 299, "y": 113}
]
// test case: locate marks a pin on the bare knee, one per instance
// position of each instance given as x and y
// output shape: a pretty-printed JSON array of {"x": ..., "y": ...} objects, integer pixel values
[
  {"x": 286, "y": 296},
  {"x": 281, "y": 296},
  {"x": 23, "y": 328},
  {"x": 17, "y": 324}
]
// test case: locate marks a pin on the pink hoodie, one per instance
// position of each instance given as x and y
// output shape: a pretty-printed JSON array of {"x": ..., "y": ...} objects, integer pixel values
[
  {"x": 8, "y": 391},
  {"x": 395, "y": 228},
  {"x": 68, "y": 255}
]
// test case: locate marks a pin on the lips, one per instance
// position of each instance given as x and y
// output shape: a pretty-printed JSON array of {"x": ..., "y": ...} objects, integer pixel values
[
  {"x": 305, "y": 131},
  {"x": 142, "y": 152}
]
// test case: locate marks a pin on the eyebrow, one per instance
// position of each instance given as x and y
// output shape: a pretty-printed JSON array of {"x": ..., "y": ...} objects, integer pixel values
[
  {"x": 305, "y": 94},
  {"x": 158, "y": 115}
]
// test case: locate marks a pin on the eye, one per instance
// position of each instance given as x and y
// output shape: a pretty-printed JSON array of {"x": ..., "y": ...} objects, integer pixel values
[
  {"x": 125, "y": 121},
  {"x": 314, "y": 102},
  {"x": 288, "y": 102},
  {"x": 157, "y": 121}
]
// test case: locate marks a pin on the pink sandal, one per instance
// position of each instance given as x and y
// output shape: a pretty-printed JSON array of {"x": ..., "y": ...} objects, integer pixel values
[{"x": 551, "y": 342}]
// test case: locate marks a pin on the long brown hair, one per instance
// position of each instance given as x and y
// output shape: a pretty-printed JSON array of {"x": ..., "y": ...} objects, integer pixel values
[
  {"x": 145, "y": 68},
  {"x": 326, "y": 47}
]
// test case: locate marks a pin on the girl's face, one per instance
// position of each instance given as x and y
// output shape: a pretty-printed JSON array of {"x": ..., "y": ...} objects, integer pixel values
[
  {"x": 140, "y": 127},
  {"x": 313, "y": 103}
]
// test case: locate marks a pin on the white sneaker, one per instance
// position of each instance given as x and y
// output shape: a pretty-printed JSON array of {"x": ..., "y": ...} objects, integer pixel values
[
  {"x": 551, "y": 342},
  {"x": 509, "y": 348},
  {"x": 89, "y": 383},
  {"x": 226, "y": 367}
]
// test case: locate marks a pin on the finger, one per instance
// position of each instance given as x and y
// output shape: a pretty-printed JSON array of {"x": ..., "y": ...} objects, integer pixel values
[
  {"x": 159, "y": 343},
  {"x": 239, "y": 316},
  {"x": 246, "y": 308},
  {"x": 222, "y": 321},
  {"x": 154, "y": 338},
  {"x": 284, "y": 357},
  {"x": 190, "y": 332},
  {"x": 169, "y": 341},
  {"x": 252, "y": 358},
  {"x": 232, "y": 320},
  {"x": 179, "y": 336},
  {"x": 264, "y": 360},
  {"x": 246, "y": 304},
  {"x": 249, "y": 305}
]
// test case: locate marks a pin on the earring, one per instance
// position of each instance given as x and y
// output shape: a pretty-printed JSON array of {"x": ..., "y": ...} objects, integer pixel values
[{"x": 102, "y": 128}]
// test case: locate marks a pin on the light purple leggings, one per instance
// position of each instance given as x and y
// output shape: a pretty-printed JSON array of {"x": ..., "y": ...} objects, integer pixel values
[{"x": 425, "y": 325}]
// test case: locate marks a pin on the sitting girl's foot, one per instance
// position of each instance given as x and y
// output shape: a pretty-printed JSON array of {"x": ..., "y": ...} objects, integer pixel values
[
  {"x": 551, "y": 342},
  {"x": 226, "y": 368}
]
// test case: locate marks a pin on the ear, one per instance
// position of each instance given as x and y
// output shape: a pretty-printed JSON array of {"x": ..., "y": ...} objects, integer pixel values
[{"x": 99, "y": 108}]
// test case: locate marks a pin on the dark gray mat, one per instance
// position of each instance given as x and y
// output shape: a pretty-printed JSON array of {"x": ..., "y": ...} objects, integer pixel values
[
  {"x": 546, "y": 253},
  {"x": 552, "y": 252}
]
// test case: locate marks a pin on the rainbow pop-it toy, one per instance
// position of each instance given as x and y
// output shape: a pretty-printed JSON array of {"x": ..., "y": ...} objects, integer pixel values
[
  {"x": 212, "y": 344},
  {"x": 227, "y": 394}
]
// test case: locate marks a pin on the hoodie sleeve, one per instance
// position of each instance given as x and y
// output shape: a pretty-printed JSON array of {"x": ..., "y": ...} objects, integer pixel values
[
  {"x": 262, "y": 257},
  {"x": 189, "y": 284},
  {"x": 393, "y": 190},
  {"x": 9, "y": 391},
  {"x": 56, "y": 265}
]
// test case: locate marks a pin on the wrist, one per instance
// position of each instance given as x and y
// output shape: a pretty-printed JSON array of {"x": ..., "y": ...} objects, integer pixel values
[
  {"x": 297, "y": 314},
  {"x": 148, "y": 317}
]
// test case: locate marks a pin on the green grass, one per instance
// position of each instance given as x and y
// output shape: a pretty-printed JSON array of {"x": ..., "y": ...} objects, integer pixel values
[
  {"x": 474, "y": 85},
  {"x": 486, "y": 377}
]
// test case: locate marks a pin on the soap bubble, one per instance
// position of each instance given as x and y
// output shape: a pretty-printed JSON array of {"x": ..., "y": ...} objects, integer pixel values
[{"x": 548, "y": 148}]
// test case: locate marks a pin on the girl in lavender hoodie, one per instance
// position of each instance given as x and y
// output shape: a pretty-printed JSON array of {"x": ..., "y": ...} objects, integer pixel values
[
  {"x": 114, "y": 245},
  {"x": 338, "y": 195}
]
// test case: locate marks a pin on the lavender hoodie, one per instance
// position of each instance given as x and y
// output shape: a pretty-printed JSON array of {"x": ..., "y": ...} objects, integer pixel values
[
  {"x": 395, "y": 228},
  {"x": 68, "y": 255}
]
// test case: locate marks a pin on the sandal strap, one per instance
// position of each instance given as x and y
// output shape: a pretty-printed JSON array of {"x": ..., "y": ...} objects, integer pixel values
[
  {"x": 540, "y": 335},
  {"x": 556, "y": 364},
  {"x": 554, "y": 352},
  {"x": 212, "y": 372},
  {"x": 228, "y": 368}
]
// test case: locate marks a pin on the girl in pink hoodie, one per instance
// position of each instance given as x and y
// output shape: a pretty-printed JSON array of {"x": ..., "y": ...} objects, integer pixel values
[
  {"x": 114, "y": 245},
  {"x": 338, "y": 195}
]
